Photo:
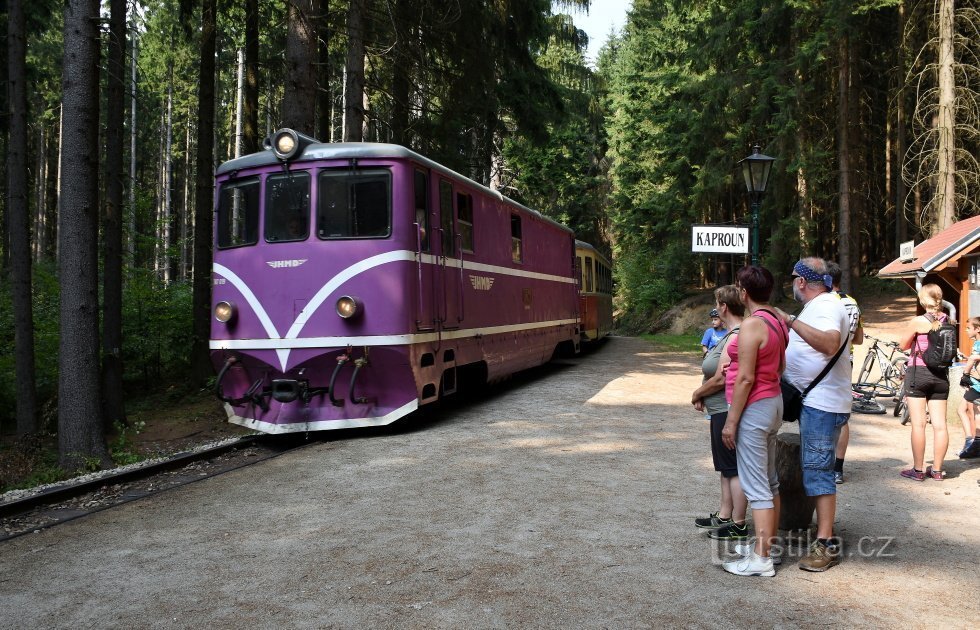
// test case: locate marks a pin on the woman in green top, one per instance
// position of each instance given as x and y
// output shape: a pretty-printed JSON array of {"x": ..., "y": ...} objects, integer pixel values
[{"x": 710, "y": 399}]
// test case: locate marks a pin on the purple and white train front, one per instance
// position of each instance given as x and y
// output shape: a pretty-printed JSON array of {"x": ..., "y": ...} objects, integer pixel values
[{"x": 355, "y": 282}]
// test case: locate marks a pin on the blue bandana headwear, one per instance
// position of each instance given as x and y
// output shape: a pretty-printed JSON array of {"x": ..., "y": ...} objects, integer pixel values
[{"x": 812, "y": 276}]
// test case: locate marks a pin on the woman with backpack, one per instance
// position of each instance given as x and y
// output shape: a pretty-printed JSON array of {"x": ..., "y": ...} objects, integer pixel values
[{"x": 927, "y": 384}]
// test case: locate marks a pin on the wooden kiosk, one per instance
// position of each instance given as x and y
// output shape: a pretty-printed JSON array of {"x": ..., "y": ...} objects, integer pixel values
[{"x": 950, "y": 259}]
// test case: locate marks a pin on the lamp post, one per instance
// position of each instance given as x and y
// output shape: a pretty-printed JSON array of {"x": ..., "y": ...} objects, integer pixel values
[{"x": 755, "y": 170}]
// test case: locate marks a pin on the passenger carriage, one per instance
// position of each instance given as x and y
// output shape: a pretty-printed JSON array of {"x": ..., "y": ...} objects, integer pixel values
[
  {"x": 353, "y": 283},
  {"x": 595, "y": 293}
]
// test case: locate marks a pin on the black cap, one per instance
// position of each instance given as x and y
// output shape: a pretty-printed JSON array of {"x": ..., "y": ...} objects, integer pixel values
[{"x": 713, "y": 313}]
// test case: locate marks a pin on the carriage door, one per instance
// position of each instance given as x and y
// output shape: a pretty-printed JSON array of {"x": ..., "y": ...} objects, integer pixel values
[
  {"x": 427, "y": 274},
  {"x": 450, "y": 261}
]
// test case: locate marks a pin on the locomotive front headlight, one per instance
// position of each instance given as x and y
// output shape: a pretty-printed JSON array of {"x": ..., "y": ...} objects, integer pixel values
[
  {"x": 285, "y": 143},
  {"x": 224, "y": 312},
  {"x": 348, "y": 307}
]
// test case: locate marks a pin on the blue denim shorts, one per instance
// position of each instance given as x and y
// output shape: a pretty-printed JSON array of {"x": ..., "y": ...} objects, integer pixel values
[{"x": 819, "y": 431}]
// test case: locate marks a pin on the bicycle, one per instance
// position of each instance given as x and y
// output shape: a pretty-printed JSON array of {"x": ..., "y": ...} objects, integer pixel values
[{"x": 888, "y": 365}]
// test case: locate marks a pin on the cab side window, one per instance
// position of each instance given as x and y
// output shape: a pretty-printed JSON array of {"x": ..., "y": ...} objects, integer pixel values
[
  {"x": 422, "y": 207},
  {"x": 464, "y": 211},
  {"x": 516, "y": 245}
]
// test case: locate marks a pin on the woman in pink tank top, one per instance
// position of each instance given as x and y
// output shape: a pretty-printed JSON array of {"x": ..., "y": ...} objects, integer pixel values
[{"x": 755, "y": 413}]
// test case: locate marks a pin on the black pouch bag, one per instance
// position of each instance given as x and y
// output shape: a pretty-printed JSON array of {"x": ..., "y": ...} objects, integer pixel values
[{"x": 792, "y": 402}]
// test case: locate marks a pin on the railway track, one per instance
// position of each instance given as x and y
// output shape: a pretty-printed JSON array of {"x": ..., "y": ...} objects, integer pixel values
[{"x": 70, "y": 501}]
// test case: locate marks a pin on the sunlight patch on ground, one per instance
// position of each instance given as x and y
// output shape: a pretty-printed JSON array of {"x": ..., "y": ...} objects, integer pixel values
[{"x": 640, "y": 389}]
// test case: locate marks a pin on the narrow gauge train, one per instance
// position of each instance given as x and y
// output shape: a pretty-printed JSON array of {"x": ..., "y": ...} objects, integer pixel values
[
  {"x": 353, "y": 283},
  {"x": 595, "y": 292}
]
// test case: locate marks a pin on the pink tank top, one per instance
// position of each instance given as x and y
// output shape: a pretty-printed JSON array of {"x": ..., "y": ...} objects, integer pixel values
[
  {"x": 766, "y": 364},
  {"x": 921, "y": 341}
]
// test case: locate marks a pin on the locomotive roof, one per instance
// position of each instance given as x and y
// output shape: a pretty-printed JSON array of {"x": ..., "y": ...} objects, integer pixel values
[{"x": 365, "y": 150}]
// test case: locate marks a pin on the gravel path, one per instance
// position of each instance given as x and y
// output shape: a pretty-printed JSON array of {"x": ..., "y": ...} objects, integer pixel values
[{"x": 565, "y": 499}]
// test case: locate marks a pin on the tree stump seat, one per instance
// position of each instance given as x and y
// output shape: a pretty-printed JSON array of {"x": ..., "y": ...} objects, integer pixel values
[{"x": 796, "y": 510}]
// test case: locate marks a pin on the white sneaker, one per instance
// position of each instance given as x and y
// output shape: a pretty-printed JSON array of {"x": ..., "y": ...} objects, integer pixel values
[
  {"x": 750, "y": 565},
  {"x": 747, "y": 549}
]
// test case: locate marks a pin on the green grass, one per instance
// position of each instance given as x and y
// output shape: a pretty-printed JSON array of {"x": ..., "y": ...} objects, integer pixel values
[{"x": 675, "y": 343}]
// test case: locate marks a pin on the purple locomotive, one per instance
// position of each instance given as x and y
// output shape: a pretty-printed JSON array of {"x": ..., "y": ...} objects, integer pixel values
[{"x": 353, "y": 283}]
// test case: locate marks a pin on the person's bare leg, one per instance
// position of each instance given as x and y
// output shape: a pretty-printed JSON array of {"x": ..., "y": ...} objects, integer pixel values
[
  {"x": 725, "y": 509},
  {"x": 826, "y": 510},
  {"x": 740, "y": 503},
  {"x": 940, "y": 435},
  {"x": 917, "y": 414},
  {"x": 845, "y": 434},
  {"x": 765, "y": 521}
]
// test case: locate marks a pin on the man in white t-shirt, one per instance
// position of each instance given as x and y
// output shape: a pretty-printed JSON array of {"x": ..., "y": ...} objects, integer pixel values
[{"x": 822, "y": 327}]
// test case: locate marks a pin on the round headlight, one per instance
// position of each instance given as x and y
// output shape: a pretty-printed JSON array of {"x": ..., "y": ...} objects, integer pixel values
[
  {"x": 285, "y": 143},
  {"x": 348, "y": 307},
  {"x": 224, "y": 312}
]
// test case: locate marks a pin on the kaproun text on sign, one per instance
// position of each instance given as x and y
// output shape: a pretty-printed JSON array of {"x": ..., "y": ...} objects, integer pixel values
[{"x": 720, "y": 239}]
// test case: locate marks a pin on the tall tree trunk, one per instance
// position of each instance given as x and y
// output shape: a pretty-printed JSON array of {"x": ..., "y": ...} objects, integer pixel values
[
  {"x": 401, "y": 83},
  {"x": 901, "y": 221},
  {"x": 168, "y": 171},
  {"x": 324, "y": 102},
  {"x": 946, "y": 150},
  {"x": 186, "y": 218},
  {"x": 200, "y": 354},
  {"x": 250, "y": 106},
  {"x": 354, "y": 73},
  {"x": 80, "y": 437},
  {"x": 112, "y": 366},
  {"x": 18, "y": 221},
  {"x": 844, "y": 163},
  {"x": 239, "y": 105},
  {"x": 131, "y": 213},
  {"x": 299, "y": 106}
]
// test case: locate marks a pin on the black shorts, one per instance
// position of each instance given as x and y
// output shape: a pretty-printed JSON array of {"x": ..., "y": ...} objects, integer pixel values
[
  {"x": 922, "y": 382},
  {"x": 971, "y": 395},
  {"x": 723, "y": 456}
]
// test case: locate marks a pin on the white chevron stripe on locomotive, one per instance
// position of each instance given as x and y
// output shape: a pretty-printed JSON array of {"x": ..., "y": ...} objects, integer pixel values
[
  {"x": 378, "y": 340},
  {"x": 283, "y": 345}
]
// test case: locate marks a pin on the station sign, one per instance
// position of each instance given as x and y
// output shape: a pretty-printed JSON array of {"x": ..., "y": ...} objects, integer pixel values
[
  {"x": 719, "y": 239},
  {"x": 906, "y": 251}
]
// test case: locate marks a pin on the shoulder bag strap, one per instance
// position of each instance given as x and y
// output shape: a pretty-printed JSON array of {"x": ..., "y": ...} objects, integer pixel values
[{"x": 827, "y": 368}]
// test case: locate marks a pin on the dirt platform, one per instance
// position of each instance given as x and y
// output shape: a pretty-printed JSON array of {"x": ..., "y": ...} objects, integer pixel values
[{"x": 565, "y": 499}]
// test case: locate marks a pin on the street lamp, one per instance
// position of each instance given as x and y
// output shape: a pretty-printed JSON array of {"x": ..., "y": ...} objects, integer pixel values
[{"x": 755, "y": 170}]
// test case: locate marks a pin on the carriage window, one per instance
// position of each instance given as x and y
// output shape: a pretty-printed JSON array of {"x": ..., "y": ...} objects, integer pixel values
[
  {"x": 588, "y": 275},
  {"x": 238, "y": 213},
  {"x": 581, "y": 271},
  {"x": 422, "y": 207},
  {"x": 446, "y": 218},
  {"x": 287, "y": 207},
  {"x": 354, "y": 204},
  {"x": 464, "y": 210},
  {"x": 516, "y": 253}
]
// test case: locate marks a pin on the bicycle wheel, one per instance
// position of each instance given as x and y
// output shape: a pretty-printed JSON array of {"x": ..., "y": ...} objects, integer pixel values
[
  {"x": 863, "y": 405},
  {"x": 902, "y": 411},
  {"x": 896, "y": 372},
  {"x": 864, "y": 376}
]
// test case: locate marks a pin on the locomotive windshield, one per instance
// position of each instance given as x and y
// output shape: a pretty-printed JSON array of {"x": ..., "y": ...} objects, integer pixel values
[
  {"x": 287, "y": 207},
  {"x": 238, "y": 213},
  {"x": 354, "y": 204}
]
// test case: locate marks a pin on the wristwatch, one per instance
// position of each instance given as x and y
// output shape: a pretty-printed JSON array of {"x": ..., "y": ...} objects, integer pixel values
[{"x": 789, "y": 322}]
